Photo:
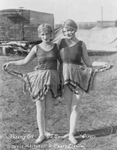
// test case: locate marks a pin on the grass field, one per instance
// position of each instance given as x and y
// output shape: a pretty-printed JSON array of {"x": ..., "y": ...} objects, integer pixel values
[{"x": 98, "y": 114}]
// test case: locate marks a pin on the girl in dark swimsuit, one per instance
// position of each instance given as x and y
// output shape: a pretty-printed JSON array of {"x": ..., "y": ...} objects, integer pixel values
[{"x": 77, "y": 72}]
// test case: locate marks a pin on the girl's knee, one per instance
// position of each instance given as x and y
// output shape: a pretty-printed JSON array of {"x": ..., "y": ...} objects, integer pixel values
[
  {"x": 75, "y": 108},
  {"x": 78, "y": 96}
]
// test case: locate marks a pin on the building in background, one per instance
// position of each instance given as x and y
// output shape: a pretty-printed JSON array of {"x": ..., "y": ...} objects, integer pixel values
[
  {"x": 21, "y": 24},
  {"x": 106, "y": 24}
]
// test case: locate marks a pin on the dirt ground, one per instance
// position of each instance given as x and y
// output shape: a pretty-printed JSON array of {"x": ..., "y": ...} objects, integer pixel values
[{"x": 98, "y": 114}]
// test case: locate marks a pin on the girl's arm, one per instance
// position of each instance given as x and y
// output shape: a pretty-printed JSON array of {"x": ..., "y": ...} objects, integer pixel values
[
  {"x": 24, "y": 61},
  {"x": 85, "y": 56}
]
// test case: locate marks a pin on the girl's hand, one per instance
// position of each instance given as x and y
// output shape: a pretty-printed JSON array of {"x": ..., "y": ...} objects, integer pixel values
[
  {"x": 6, "y": 65},
  {"x": 102, "y": 66}
]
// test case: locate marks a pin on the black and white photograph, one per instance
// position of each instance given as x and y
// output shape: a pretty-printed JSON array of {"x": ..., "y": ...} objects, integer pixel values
[{"x": 58, "y": 75}]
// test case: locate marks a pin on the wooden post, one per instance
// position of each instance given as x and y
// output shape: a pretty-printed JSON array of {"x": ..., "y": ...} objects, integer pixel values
[{"x": 102, "y": 15}]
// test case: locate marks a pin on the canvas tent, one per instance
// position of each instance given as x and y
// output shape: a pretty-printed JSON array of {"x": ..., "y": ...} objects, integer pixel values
[{"x": 96, "y": 39}]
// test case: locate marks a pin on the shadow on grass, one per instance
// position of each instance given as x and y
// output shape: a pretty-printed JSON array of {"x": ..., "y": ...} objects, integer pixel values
[{"x": 82, "y": 135}]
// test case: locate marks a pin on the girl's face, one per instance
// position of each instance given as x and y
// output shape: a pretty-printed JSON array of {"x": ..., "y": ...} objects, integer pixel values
[
  {"x": 69, "y": 33},
  {"x": 45, "y": 36}
]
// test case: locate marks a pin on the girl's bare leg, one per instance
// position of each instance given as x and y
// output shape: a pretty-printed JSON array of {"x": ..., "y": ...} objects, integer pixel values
[
  {"x": 49, "y": 106},
  {"x": 40, "y": 105},
  {"x": 74, "y": 116},
  {"x": 68, "y": 99}
]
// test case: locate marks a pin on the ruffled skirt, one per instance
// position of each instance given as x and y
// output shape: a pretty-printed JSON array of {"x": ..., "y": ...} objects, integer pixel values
[
  {"x": 39, "y": 82},
  {"x": 77, "y": 76}
]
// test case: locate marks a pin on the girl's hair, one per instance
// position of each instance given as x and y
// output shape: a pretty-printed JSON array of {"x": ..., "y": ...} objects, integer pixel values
[
  {"x": 70, "y": 24},
  {"x": 45, "y": 28}
]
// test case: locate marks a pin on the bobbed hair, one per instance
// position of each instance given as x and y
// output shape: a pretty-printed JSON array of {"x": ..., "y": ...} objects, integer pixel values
[
  {"x": 69, "y": 23},
  {"x": 45, "y": 28}
]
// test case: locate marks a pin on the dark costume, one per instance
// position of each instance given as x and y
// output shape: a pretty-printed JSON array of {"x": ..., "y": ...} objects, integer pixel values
[
  {"x": 45, "y": 77},
  {"x": 73, "y": 71}
]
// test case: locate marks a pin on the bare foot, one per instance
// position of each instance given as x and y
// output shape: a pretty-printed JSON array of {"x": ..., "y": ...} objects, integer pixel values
[
  {"x": 40, "y": 139},
  {"x": 72, "y": 139}
]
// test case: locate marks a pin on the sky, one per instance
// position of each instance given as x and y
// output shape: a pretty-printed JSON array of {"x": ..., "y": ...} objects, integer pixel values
[{"x": 78, "y": 10}]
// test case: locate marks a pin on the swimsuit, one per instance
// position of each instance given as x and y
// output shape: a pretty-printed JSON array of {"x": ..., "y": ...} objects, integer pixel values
[{"x": 45, "y": 77}]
